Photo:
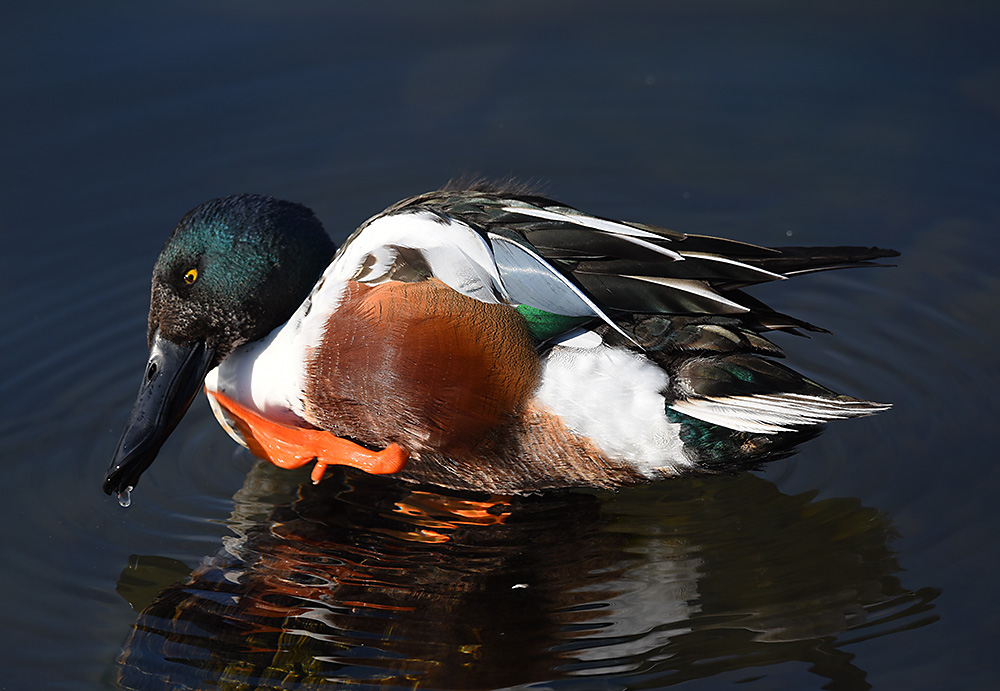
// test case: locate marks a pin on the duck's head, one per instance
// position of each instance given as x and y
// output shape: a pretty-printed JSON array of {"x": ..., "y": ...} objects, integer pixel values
[{"x": 232, "y": 271}]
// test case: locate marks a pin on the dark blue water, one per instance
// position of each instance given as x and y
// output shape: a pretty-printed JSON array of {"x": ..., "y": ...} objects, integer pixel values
[{"x": 867, "y": 560}]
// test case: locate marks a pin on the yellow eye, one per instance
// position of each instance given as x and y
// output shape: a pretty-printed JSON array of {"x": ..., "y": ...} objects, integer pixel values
[{"x": 191, "y": 276}]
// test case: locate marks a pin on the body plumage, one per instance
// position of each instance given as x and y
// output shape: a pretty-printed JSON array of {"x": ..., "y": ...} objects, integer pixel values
[{"x": 486, "y": 338}]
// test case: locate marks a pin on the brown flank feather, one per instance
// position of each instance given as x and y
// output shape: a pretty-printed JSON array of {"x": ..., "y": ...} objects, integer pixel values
[
  {"x": 538, "y": 452},
  {"x": 420, "y": 365}
]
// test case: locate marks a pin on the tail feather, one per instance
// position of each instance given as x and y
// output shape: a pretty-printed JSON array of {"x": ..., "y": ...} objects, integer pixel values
[{"x": 802, "y": 260}]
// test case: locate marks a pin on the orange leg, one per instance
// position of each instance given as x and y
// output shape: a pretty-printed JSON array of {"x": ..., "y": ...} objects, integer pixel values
[{"x": 292, "y": 447}]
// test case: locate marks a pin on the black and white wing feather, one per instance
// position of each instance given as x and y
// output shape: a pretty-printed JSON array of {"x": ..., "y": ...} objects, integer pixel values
[{"x": 529, "y": 250}]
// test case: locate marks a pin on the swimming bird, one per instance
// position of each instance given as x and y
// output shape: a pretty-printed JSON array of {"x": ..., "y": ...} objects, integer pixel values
[{"x": 477, "y": 338}]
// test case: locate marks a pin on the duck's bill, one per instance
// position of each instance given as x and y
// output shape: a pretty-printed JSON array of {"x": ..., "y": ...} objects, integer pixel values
[{"x": 173, "y": 376}]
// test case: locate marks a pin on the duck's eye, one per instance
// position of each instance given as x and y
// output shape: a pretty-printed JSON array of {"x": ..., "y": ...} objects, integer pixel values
[{"x": 191, "y": 276}]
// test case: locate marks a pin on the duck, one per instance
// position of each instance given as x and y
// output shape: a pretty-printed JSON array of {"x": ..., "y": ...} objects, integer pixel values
[{"x": 480, "y": 337}]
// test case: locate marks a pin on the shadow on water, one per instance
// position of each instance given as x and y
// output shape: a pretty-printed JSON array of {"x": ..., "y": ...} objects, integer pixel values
[{"x": 370, "y": 583}]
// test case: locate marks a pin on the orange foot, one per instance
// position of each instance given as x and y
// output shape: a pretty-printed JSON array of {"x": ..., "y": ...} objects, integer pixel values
[{"x": 287, "y": 446}]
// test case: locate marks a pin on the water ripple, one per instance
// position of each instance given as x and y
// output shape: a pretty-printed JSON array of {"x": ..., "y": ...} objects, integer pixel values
[{"x": 364, "y": 581}]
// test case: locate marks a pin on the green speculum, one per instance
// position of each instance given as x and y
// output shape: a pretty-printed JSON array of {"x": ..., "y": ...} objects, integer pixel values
[{"x": 545, "y": 325}]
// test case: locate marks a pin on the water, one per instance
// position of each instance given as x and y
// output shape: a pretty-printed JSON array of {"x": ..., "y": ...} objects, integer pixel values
[{"x": 867, "y": 560}]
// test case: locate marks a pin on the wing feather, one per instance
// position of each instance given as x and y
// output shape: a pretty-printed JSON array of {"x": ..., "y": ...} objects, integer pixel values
[
  {"x": 774, "y": 413},
  {"x": 531, "y": 280},
  {"x": 502, "y": 245}
]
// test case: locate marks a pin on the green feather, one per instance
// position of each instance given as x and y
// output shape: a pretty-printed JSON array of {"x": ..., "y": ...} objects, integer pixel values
[{"x": 544, "y": 325}]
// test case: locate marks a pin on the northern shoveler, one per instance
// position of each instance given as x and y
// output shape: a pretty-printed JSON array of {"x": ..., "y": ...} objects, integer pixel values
[{"x": 480, "y": 338}]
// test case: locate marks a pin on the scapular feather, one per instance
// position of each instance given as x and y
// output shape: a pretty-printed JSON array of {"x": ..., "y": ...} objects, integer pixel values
[{"x": 655, "y": 294}]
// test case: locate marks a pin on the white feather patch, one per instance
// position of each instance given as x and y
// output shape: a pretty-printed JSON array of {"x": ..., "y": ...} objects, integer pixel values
[
  {"x": 773, "y": 413},
  {"x": 613, "y": 397},
  {"x": 763, "y": 273},
  {"x": 268, "y": 375},
  {"x": 453, "y": 251},
  {"x": 579, "y": 338},
  {"x": 645, "y": 244},
  {"x": 584, "y": 221},
  {"x": 699, "y": 288}
]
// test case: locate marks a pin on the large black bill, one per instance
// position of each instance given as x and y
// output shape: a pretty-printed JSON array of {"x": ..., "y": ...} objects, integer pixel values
[{"x": 174, "y": 374}]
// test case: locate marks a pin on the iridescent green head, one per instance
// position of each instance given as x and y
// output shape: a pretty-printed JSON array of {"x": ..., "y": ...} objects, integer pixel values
[{"x": 233, "y": 270}]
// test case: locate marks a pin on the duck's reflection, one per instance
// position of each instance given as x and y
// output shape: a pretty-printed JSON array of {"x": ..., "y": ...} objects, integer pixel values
[{"x": 367, "y": 582}]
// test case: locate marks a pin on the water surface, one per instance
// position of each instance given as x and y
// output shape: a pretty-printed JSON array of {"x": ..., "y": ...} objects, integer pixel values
[{"x": 867, "y": 560}]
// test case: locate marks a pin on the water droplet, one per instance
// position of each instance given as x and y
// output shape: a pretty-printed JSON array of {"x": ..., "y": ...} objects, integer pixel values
[{"x": 125, "y": 496}]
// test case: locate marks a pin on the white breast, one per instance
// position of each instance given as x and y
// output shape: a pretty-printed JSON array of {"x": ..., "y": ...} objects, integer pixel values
[{"x": 269, "y": 375}]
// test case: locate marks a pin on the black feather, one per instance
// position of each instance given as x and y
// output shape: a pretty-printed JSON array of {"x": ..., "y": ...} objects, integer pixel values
[{"x": 605, "y": 266}]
